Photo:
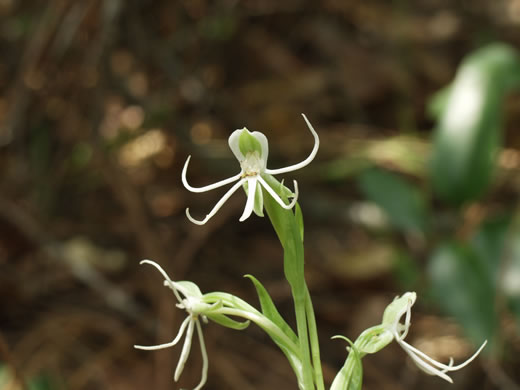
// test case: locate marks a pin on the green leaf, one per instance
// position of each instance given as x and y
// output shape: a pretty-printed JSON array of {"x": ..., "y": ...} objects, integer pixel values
[
  {"x": 467, "y": 136},
  {"x": 463, "y": 289},
  {"x": 402, "y": 203},
  {"x": 269, "y": 309},
  {"x": 228, "y": 322}
]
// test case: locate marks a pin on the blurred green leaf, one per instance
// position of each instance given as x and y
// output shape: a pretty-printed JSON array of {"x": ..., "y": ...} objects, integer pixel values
[
  {"x": 510, "y": 272},
  {"x": 403, "y": 204},
  {"x": 462, "y": 287},
  {"x": 468, "y": 133},
  {"x": 406, "y": 270},
  {"x": 489, "y": 243},
  {"x": 270, "y": 311}
]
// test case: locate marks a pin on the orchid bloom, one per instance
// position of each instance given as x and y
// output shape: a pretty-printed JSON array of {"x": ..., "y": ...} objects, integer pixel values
[
  {"x": 392, "y": 319},
  {"x": 194, "y": 306},
  {"x": 251, "y": 150}
]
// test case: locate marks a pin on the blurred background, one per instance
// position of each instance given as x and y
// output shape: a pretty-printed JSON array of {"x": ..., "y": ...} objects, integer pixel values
[{"x": 415, "y": 186}]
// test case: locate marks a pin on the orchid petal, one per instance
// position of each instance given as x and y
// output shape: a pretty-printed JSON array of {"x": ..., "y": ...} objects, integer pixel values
[
  {"x": 437, "y": 364},
  {"x": 185, "y": 349},
  {"x": 277, "y": 197},
  {"x": 233, "y": 144},
  {"x": 208, "y": 187},
  {"x": 250, "y": 203},
  {"x": 217, "y": 207},
  {"x": 166, "y": 345},
  {"x": 424, "y": 366},
  {"x": 304, "y": 162},
  {"x": 171, "y": 283},
  {"x": 204, "y": 376}
]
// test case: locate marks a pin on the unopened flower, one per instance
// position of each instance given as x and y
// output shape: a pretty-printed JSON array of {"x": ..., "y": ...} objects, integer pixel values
[
  {"x": 194, "y": 306},
  {"x": 392, "y": 321},
  {"x": 251, "y": 149}
]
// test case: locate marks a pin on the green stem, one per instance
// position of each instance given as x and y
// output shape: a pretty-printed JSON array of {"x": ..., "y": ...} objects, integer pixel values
[
  {"x": 303, "y": 338},
  {"x": 315, "y": 345}
]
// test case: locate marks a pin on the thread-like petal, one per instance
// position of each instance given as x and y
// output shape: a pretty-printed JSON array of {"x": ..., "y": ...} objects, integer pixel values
[
  {"x": 174, "y": 286},
  {"x": 185, "y": 349},
  {"x": 208, "y": 187},
  {"x": 277, "y": 197},
  {"x": 204, "y": 375},
  {"x": 217, "y": 207},
  {"x": 304, "y": 162},
  {"x": 166, "y": 345}
]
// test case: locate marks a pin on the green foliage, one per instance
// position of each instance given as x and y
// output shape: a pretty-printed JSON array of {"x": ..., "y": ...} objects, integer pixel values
[
  {"x": 462, "y": 286},
  {"x": 269, "y": 309},
  {"x": 403, "y": 204},
  {"x": 470, "y": 120}
]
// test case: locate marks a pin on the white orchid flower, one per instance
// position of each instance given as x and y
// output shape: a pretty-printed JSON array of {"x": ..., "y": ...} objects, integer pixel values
[
  {"x": 392, "y": 319},
  {"x": 194, "y": 306},
  {"x": 251, "y": 149}
]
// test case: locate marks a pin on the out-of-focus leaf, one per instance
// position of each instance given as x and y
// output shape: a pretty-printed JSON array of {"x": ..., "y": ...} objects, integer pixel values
[
  {"x": 403, "y": 204},
  {"x": 489, "y": 243},
  {"x": 468, "y": 133},
  {"x": 510, "y": 275},
  {"x": 461, "y": 286},
  {"x": 406, "y": 270}
]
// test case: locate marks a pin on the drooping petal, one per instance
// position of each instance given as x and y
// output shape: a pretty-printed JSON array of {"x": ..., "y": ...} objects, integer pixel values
[
  {"x": 171, "y": 343},
  {"x": 424, "y": 366},
  {"x": 185, "y": 349},
  {"x": 204, "y": 376},
  {"x": 217, "y": 207},
  {"x": 435, "y": 363},
  {"x": 304, "y": 162},
  {"x": 250, "y": 203},
  {"x": 277, "y": 197},
  {"x": 208, "y": 187}
]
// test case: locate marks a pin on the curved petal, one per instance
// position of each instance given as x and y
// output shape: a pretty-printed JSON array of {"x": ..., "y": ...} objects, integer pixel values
[
  {"x": 435, "y": 363},
  {"x": 171, "y": 283},
  {"x": 424, "y": 366},
  {"x": 277, "y": 197},
  {"x": 250, "y": 203},
  {"x": 208, "y": 187},
  {"x": 204, "y": 376},
  {"x": 166, "y": 345},
  {"x": 217, "y": 207},
  {"x": 185, "y": 349},
  {"x": 304, "y": 162}
]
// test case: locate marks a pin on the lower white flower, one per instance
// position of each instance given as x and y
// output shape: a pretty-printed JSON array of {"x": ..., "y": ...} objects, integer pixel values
[
  {"x": 193, "y": 305},
  {"x": 392, "y": 319},
  {"x": 251, "y": 149}
]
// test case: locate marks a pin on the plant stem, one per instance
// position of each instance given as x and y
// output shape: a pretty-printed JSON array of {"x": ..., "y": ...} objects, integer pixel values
[{"x": 315, "y": 345}]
